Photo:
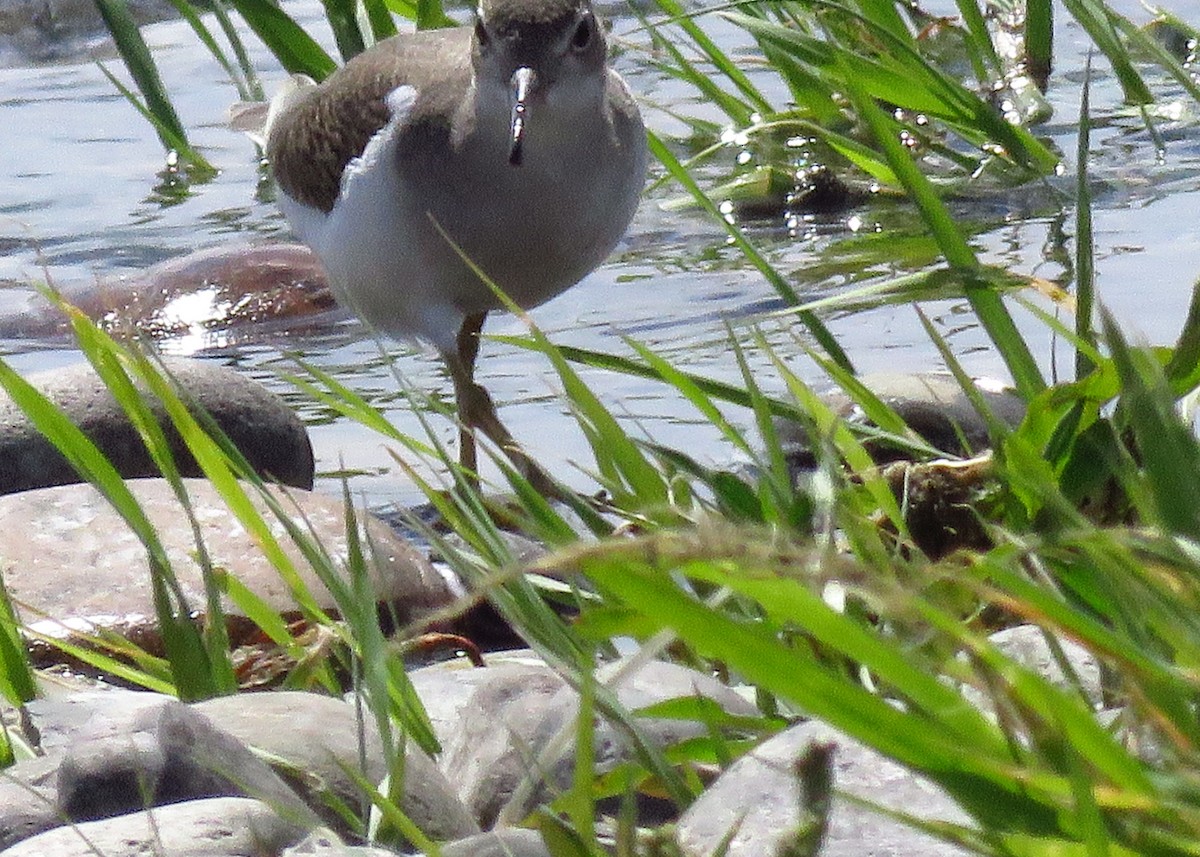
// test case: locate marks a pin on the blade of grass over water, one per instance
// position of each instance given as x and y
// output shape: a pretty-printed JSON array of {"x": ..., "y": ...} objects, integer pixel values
[
  {"x": 142, "y": 68},
  {"x": 250, "y": 87},
  {"x": 343, "y": 20},
  {"x": 1099, "y": 20},
  {"x": 171, "y": 141},
  {"x": 1039, "y": 37},
  {"x": 295, "y": 49},
  {"x": 242, "y": 75},
  {"x": 737, "y": 110},
  {"x": 987, "y": 304},
  {"x": 1085, "y": 249}
]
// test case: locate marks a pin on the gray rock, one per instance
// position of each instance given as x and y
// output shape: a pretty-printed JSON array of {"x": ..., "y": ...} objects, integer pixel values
[
  {"x": 80, "y": 565},
  {"x": 489, "y": 751},
  {"x": 447, "y": 688},
  {"x": 27, "y": 800},
  {"x": 933, "y": 405},
  {"x": 164, "y": 754},
  {"x": 1026, "y": 644},
  {"x": 266, "y": 431},
  {"x": 54, "y": 723},
  {"x": 216, "y": 827},
  {"x": 326, "y": 843},
  {"x": 506, "y": 722},
  {"x": 315, "y": 739},
  {"x": 760, "y": 798},
  {"x": 508, "y": 842}
]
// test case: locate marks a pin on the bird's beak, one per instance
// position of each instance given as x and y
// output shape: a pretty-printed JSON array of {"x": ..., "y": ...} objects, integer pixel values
[{"x": 523, "y": 82}]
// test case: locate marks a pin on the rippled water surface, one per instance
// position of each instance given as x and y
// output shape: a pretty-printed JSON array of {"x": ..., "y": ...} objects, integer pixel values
[{"x": 84, "y": 196}]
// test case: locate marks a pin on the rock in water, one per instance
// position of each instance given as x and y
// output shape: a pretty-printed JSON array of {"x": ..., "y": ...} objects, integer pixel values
[{"x": 266, "y": 431}]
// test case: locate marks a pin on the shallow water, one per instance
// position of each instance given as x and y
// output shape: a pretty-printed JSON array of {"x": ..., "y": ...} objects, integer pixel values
[{"x": 84, "y": 195}]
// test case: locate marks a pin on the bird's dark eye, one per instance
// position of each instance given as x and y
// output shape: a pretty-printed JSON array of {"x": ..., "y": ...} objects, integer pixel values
[
  {"x": 481, "y": 34},
  {"x": 583, "y": 33}
]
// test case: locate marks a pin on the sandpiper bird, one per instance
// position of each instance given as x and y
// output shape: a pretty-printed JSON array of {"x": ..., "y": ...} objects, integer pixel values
[{"x": 509, "y": 142}]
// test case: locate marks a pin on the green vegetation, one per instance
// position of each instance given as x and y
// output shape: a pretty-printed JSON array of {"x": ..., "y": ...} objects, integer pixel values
[{"x": 1092, "y": 505}]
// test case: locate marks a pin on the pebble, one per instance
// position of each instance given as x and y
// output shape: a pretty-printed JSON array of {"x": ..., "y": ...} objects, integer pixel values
[{"x": 259, "y": 423}]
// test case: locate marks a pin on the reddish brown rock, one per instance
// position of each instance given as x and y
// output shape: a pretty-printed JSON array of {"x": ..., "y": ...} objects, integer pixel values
[{"x": 209, "y": 295}]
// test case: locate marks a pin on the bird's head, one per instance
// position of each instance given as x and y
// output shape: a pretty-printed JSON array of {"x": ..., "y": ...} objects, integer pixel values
[{"x": 542, "y": 51}]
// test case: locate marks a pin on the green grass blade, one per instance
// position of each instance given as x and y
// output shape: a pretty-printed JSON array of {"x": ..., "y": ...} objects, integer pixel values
[
  {"x": 984, "y": 300},
  {"x": 1183, "y": 370},
  {"x": 140, "y": 63},
  {"x": 1099, "y": 20},
  {"x": 295, "y": 49},
  {"x": 17, "y": 682},
  {"x": 343, "y": 21},
  {"x": 1039, "y": 37},
  {"x": 1085, "y": 248},
  {"x": 237, "y": 73},
  {"x": 814, "y": 325},
  {"x": 430, "y": 14},
  {"x": 1168, "y": 448},
  {"x": 171, "y": 140}
]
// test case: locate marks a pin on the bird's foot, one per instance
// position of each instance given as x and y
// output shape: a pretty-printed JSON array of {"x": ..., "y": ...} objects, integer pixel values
[{"x": 477, "y": 412}]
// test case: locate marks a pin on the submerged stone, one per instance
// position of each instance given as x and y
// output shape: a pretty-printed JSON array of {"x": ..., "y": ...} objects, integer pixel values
[{"x": 932, "y": 404}]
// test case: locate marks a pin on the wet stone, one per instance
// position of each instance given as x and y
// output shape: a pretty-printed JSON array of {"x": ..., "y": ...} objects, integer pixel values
[
  {"x": 758, "y": 797},
  {"x": 932, "y": 404},
  {"x": 260, "y": 424},
  {"x": 79, "y": 565},
  {"x": 216, "y": 296}
]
